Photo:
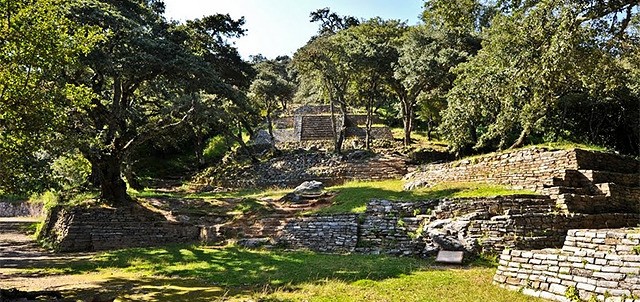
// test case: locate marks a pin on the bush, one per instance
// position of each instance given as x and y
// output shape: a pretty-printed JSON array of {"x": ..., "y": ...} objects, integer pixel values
[
  {"x": 71, "y": 171},
  {"x": 215, "y": 149}
]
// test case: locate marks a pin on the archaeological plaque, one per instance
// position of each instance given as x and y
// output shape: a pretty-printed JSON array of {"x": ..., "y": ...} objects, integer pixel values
[{"x": 452, "y": 257}]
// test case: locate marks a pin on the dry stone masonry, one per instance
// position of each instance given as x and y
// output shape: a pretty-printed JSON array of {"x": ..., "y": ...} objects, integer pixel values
[
  {"x": 93, "y": 229},
  {"x": 295, "y": 168},
  {"x": 533, "y": 168},
  {"x": 21, "y": 209},
  {"x": 602, "y": 264}
]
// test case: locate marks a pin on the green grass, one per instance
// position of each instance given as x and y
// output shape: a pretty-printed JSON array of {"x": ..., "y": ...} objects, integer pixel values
[
  {"x": 420, "y": 141},
  {"x": 283, "y": 276},
  {"x": 350, "y": 197},
  {"x": 565, "y": 145},
  {"x": 353, "y": 196}
]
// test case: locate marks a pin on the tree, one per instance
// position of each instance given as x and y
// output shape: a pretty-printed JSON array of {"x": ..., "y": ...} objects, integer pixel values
[
  {"x": 539, "y": 57},
  {"x": 146, "y": 78},
  {"x": 323, "y": 63},
  {"x": 427, "y": 57},
  {"x": 330, "y": 22},
  {"x": 272, "y": 88},
  {"x": 372, "y": 50},
  {"x": 37, "y": 43}
]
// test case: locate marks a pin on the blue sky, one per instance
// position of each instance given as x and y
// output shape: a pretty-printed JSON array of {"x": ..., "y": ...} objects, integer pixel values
[{"x": 279, "y": 27}]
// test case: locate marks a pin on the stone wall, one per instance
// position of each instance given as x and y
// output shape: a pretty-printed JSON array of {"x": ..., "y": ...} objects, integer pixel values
[
  {"x": 603, "y": 264},
  {"x": 337, "y": 233},
  {"x": 532, "y": 168},
  {"x": 93, "y": 229},
  {"x": 422, "y": 228},
  {"x": 528, "y": 168},
  {"x": 295, "y": 168},
  {"x": 21, "y": 209}
]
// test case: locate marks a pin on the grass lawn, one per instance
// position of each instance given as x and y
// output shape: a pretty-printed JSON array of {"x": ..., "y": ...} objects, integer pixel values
[
  {"x": 350, "y": 197},
  {"x": 353, "y": 196},
  {"x": 194, "y": 273}
]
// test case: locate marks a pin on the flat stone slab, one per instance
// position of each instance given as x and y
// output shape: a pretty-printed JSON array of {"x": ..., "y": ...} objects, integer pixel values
[{"x": 452, "y": 257}]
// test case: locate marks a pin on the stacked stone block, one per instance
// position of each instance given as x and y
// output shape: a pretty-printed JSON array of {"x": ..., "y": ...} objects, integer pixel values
[
  {"x": 93, "y": 229},
  {"x": 292, "y": 170},
  {"x": 336, "y": 233},
  {"x": 21, "y": 209},
  {"x": 600, "y": 264},
  {"x": 527, "y": 169}
]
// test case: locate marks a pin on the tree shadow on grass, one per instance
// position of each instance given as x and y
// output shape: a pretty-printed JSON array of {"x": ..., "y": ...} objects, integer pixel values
[{"x": 229, "y": 271}]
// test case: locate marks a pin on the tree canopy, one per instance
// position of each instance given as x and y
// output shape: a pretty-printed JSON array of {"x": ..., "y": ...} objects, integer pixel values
[
  {"x": 38, "y": 45},
  {"x": 544, "y": 69}
]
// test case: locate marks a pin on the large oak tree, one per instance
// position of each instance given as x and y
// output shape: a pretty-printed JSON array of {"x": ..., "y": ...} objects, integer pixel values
[{"x": 146, "y": 77}]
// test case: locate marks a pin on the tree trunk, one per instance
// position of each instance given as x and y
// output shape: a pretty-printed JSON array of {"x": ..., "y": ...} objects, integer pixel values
[
  {"x": 94, "y": 177},
  {"x": 342, "y": 127},
  {"x": 369, "y": 123},
  {"x": 131, "y": 177},
  {"x": 199, "y": 152},
  {"x": 407, "y": 120},
  {"x": 334, "y": 127},
  {"x": 270, "y": 129},
  {"x": 247, "y": 126},
  {"x": 243, "y": 146},
  {"x": 520, "y": 141},
  {"x": 113, "y": 189}
]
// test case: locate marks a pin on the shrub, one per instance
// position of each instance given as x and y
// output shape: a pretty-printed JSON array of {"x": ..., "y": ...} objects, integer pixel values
[{"x": 71, "y": 171}]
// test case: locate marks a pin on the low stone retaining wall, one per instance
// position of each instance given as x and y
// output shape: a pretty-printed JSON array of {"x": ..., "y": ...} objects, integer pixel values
[
  {"x": 603, "y": 264},
  {"x": 421, "y": 228},
  {"x": 21, "y": 209},
  {"x": 526, "y": 169},
  {"x": 293, "y": 169},
  {"x": 93, "y": 229},
  {"x": 337, "y": 233}
]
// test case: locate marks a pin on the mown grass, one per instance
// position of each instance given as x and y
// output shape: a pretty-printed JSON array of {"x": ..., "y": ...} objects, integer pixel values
[
  {"x": 353, "y": 196},
  {"x": 285, "y": 276},
  {"x": 350, "y": 197}
]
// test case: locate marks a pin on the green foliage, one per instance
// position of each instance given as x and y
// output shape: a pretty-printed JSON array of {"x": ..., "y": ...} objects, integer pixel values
[
  {"x": 71, "y": 171},
  {"x": 572, "y": 294},
  {"x": 544, "y": 71},
  {"x": 148, "y": 77},
  {"x": 423, "y": 71},
  {"x": 48, "y": 199},
  {"x": 38, "y": 44},
  {"x": 272, "y": 88},
  {"x": 215, "y": 149}
]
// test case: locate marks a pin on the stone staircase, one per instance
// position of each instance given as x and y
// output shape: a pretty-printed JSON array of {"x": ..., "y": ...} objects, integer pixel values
[
  {"x": 596, "y": 191},
  {"x": 316, "y": 127}
]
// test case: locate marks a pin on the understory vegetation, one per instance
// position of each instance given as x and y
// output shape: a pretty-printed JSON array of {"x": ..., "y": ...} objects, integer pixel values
[{"x": 200, "y": 273}]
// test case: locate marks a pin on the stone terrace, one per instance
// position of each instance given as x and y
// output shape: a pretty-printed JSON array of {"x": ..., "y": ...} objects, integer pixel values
[{"x": 603, "y": 264}]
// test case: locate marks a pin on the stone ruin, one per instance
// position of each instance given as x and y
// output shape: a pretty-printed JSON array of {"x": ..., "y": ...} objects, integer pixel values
[
  {"x": 313, "y": 123},
  {"x": 574, "y": 189}
]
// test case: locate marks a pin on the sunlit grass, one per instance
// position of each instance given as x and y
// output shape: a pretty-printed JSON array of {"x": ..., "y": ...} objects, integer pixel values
[
  {"x": 239, "y": 274},
  {"x": 352, "y": 197}
]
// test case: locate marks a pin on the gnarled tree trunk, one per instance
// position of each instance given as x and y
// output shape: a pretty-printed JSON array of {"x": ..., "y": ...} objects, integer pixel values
[{"x": 113, "y": 189}]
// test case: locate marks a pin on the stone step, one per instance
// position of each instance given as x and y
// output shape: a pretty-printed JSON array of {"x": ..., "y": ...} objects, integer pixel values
[
  {"x": 620, "y": 193},
  {"x": 623, "y": 179},
  {"x": 15, "y": 225},
  {"x": 595, "y": 204},
  {"x": 557, "y": 190}
]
